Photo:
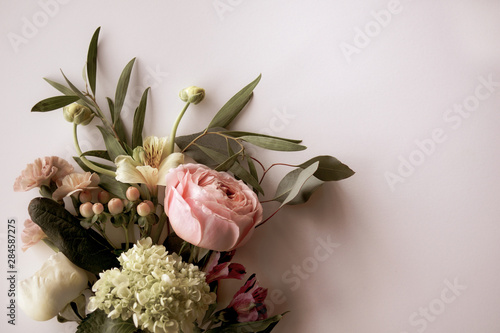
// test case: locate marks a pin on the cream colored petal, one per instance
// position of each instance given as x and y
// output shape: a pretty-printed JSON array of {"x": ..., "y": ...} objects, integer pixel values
[
  {"x": 172, "y": 161},
  {"x": 126, "y": 170},
  {"x": 149, "y": 174}
]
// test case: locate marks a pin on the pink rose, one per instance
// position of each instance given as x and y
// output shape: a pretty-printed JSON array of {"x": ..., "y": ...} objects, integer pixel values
[
  {"x": 42, "y": 172},
  {"x": 31, "y": 234},
  {"x": 210, "y": 209}
]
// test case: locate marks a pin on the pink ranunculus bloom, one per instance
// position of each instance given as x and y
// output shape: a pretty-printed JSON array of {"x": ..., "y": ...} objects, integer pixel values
[
  {"x": 248, "y": 302},
  {"x": 41, "y": 172},
  {"x": 210, "y": 209},
  {"x": 31, "y": 234},
  {"x": 76, "y": 182},
  {"x": 219, "y": 267}
]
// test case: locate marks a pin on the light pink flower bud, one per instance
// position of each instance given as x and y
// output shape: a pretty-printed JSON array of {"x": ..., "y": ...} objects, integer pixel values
[
  {"x": 133, "y": 193},
  {"x": 86, "y": 209},
  {"x": 85, "y": 196},
  {"x": 151, "y": 205},
  {"x": 115, "y": 206},
  {"x": 103, "y": 197},
  {"x": 98, "y": 208},
  {"x": 143, "y": 209}
]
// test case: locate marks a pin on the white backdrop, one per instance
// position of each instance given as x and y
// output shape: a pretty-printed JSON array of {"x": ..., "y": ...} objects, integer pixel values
[{"x": 404, "y": 92}]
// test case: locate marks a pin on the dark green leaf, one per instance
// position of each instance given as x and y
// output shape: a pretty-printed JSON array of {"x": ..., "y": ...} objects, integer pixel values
[
  {"x": 252, "y": 169},
  {"x": 85, "y": 248},
  {"x": 228, "y": 163},
  {"x": 272, "y": 143},
  {"x": 120, "y": 130},
  {"x": 54, "y": 103},
  {"x": 111, "y": 106},
  {"x": 98, "y": 153},
  {"x": 233, "y": 107},
  {"x": 296, "y": 184},
  {"x": 112, "y": 144},
  {"x": 248, "y": 327},
  {"x": 92, "y": 60},
  {"x": 330, "y": 168},
  {"x": 139, "y": 116},
  {"x": 87, "y": 169},
  {"x": 237, "y": 134},
  {"x": 113, "y": 186},
  {"x": 121, "y": 89},
  {"x": 287, "y": 183},
  {"x": 98, "y": 322},
  {"x": 65, "y": 90}
]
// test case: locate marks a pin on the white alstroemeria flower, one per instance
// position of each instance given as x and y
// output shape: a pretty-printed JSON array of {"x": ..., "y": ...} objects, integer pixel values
[
  {"x": 149, "y": 164},
  {"x": 58, "y": 282}
]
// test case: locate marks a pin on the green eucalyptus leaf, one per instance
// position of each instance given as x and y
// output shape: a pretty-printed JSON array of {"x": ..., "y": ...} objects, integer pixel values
[
  {"x": 237, "y": 134},
  {"x": 300, "y": 180},
  {"x": 252, "y": 169},
  {"x": 87, "y": 169},
  {"x": 272, "y": 143},
  {"x": 139, "y": 116},
  {"x": 85, "y": 248},
  {"x": 54, "y": 103},
  {"x": 113, "y": 186},
  {"x": 98, "y": 322},
  {"x": 92, "y": 60},
  {"x": 111, "y": 106},
  {"x": 65, "y": 90},
  {"x": 329, "y": 169},
  {"x": 228, "y": 163},
  {"x": 112, "y": 144},
  {"x": 120, "y": 130},
  {"x": 233, "y": 107},
  {"x": 287, "y": 183},
  {"x": 248, "y": 327},
  {"x": 121, "y": 89}
]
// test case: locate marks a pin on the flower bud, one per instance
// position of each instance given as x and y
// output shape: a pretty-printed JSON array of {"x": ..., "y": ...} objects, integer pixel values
[
  {"x": 115, "y": 206},
  {"x": 78, "y": 114},
  {"x": 85, "y": 196},
  {"x": 86, "y": 209},
  {"x": 103, "y": 197},
  {"x": 192, "y": 94},
  {"x": 133, "y": 193},
  {"x": 98, "y": 208},
  {"x": 151, "y": 205},
  {"x": 143, "y": 209}
]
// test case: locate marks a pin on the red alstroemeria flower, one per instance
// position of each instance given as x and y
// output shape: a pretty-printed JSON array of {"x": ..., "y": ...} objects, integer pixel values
[
  {"x": 248, "y": 302},
  {"x": 219, "y": 268}
]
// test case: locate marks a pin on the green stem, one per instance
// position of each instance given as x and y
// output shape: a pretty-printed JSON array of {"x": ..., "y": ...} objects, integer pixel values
[
  {"x": 125, "y": 229},
  {"x": 176, "y": 124},
  {"x": 85, "y": 160},
  {"x": 103, "y": 233}
]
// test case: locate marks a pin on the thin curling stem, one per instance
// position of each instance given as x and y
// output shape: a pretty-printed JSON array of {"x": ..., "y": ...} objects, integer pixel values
[
  {"x": 174, "y": 129},
  {"x": 85, "y": 160}
]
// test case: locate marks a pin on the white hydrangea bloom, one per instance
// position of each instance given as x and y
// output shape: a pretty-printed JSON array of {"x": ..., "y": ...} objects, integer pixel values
[{"x": 158, "y": 290}]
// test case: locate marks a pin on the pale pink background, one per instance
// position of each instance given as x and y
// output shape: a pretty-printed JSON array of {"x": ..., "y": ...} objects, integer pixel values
[{"x": 397, "y": 252}]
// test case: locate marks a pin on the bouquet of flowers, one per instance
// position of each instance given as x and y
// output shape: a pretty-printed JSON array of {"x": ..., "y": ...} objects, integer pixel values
[{"x": 182, "y": 205}]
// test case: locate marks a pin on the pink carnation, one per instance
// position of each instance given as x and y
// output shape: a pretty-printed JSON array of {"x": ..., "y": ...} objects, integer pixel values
[
  {"x": 31, "y": 234},
  {"x": 41, "y": 172},
  {"x": 210, "y": 209},
  {"x": 76, "y": 182}
]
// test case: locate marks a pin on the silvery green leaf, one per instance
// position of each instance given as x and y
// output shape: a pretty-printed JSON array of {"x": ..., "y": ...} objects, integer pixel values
[
  {"x": 233, "y": 107},
  {"x": 85, "y": 101},
  {"x": 287, "y": 183},
  {"x": 237, "y": 134},
  {"x": 296, "y": 184},
  {"x": 272, "y": 143},
  {"x": 121, "y": 89},
  {"x": 329, "y": 169},
  {"x": 92, "y": 60},
  {"x": 139, "y": 116},
  {"x": 113, "y": 186},
  {"x": 53, "y": 103},
  {"x": 65, "y": 90},
  {"x": 112, "y": 144}
]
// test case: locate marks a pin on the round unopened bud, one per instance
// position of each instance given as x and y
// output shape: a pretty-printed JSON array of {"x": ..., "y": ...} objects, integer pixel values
[
  {"x": 150, "y": 204},
  {"x": 98, "y": 208},
  {"x": 103, "y": 197},
  {"x": 78, "y": 114},
  {"x": 192, "y": 94},
  {"x": 85, "y": 196},
  {"x": 133, "y": 193},
  {"x": 115, "y": 206},
  {"x": 143, "y": 209},
  {"x": 86, "y": 209}
]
